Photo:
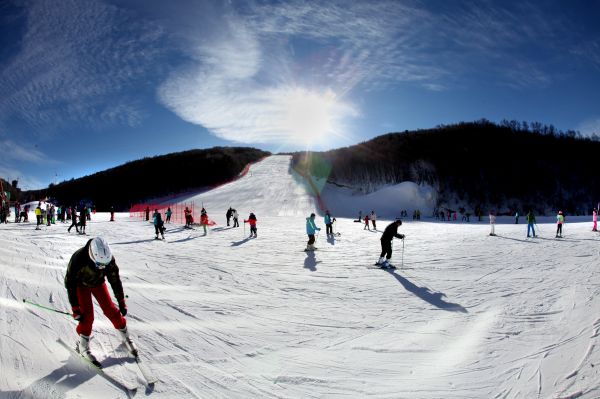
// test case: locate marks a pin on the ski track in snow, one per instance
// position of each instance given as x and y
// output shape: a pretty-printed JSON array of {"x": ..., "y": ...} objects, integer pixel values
[{"x": 222, "y": 316}]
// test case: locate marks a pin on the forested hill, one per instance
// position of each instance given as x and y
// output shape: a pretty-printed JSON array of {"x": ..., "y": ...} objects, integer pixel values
[
  {"x": 509, "y": 166},
  {"x": 152, "y": 177}
]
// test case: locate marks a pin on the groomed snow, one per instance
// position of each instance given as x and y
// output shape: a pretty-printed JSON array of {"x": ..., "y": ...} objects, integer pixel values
[{"x": 223, "y": 316}]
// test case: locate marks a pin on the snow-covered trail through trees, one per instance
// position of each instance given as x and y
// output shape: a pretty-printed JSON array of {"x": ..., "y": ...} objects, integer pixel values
[{"x": 224, "y": 316}]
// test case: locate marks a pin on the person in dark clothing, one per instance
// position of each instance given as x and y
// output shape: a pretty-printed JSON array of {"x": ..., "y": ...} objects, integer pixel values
[
  {"x": 328, "y": 223},
  {"x": 389, "y": 233},
  {"x": 112, "y": 214},
  {"x": 85, "y": 277},
  {"x": 168, "y": 214},
  {"x": 235, "y": 216},
  {"x": 147, "y": 213},
  {"x": 73, "y": 213},
  {"x": 228, "y": 215},
  {"x": 158, "y": 224},
  {"x": 82, "y": 220}
]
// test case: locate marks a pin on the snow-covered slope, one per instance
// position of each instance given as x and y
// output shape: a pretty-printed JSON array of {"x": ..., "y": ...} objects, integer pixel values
[{"x": 223, "y": 316}]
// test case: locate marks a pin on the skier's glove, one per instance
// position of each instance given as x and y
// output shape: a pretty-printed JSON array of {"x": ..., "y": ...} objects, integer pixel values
[
  {"x": 76, "y": 313},
  {"x": 122, "y": 307},
  {"x": 401, "y": 236}
]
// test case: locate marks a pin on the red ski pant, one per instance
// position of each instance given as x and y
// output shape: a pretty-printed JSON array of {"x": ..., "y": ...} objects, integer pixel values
[{"x": 84, "y": 295}]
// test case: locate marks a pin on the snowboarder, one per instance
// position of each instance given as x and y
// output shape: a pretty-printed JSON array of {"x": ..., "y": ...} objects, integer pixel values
[
  {"x": 73, "y": 219},
  {"x": 388, "y": 235},
  {"x": 530, "y": 222},
  {"x": 158, "y": 224},
  {"x": 373, "y": 218},
  {"x": 204, "y": 220},
  {"x": 252, "y": 221},
  {"x": 168, "y": 214},
  {"x": 560, "y": 219},
  {"x": 595, "y": 220},
  {"x": 228, "y": 215},
  {"x": 86, "y": 273},
  {"x": 367, "y": 223},
  {"x": 493, "y": 223},
  {"x": 235, "y": 215},
  {"x": 328, "y": 223},
  {"x": 311, "y": 228}
]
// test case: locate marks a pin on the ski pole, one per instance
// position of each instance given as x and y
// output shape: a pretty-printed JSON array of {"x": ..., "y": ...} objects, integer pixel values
[
  {"x": 45, "y": 307},
  {"x": 402, "y": 264}
]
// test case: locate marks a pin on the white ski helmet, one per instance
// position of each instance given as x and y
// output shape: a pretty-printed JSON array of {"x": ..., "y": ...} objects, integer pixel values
[{"x": 100, "y": 252}]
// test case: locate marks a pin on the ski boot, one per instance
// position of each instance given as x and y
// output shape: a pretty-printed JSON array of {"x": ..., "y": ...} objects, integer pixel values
[
  {"x": 83, "y": 348},
  {"x": 129, "y": 344}
]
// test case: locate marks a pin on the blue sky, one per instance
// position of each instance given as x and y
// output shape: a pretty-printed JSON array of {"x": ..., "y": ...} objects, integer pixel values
[{"x": 88, "y": 85}]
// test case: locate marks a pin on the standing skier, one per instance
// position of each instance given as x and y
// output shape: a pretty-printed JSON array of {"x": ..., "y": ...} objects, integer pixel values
[
  {"x": 388, "y": 235},
  {"x": 328, "y": 223},
  {"x": 252, "y": 221},
  {"x": 158, "y": 224},
  {"x": 82, "y": 219},
  {"x": 112, "y": 213},
  {"x": 595, "y": 220},
  {"x": 560, "y": 219},
  {"x": 188, "y": 217},
  {"x": 38, "y": 215},
  {"x": 147, "y": 213},
  {"x": 530, "y": 222},
  {"x": 493, "y": 223},
  {"x": 235, "y": 215},
  {"x": 228, "y": 215},
  {"x": 373, "y": 218},
  {"x": 168, "y": 214},
  {"x": 204, "y": 220},
  {"x": 311, "y": 228},
  {"x": 367, "y": 223},
  {"x": 517, "y": 217},
  {"x": 86, "y": 273}
]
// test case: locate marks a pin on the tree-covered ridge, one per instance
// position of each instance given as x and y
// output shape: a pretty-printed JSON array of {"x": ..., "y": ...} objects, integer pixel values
[
  {"x": 152, "y": 177},
  {"x": 508, "y": 166}
]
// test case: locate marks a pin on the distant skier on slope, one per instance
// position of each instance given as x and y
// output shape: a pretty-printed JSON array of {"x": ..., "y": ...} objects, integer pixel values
[
  {"x": 373, "y": 218},
  {"x": 595, "y": 220},
  {"x": 228, "y": 215},
  {"x": 38, "y": 215},
  {"x": 252, "y": 221},
  {"x": 168, "y": 213},
  {"x": 82, "y": 219},
  {"x": 328, "y": 223},
  {"x": 85, "y": 277},
  {"x": 147, "y": 213},
  {"x": 493, "y": 223},
  {"x": 236, "y": 216},
  {"x": 158, "y": 224},
  {"x": 311, "y": 228},
  {"x": 388, "y": 235},
  {"x": 530, "y": 222},
  {"x": 560, "y": 220},
  {"x": 73, "y": 220},
  {"x": 204, "y": 220},
  {"x": 188, "y": 217},
  {"x": 367, "y": 223}
]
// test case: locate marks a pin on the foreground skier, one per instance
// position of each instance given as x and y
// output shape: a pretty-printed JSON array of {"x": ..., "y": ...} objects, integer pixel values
[
  {"x": 85, "y": 277},
  {"x": 311, "y": 228},
  {"x": 389, "y": 233}
]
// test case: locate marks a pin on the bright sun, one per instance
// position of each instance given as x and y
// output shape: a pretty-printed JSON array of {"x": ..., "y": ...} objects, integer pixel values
[{"x": 310, "y": 116}]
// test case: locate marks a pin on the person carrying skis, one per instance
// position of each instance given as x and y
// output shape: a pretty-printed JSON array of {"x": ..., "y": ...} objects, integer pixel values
[
  {"x": 388, "y": 235},
  {"x": 373, "y": 218},
  {"x": 595, "y": 219},
  {"x": 158, "y": 224},
  {"x": 493, "y": 223},
  {"x": 530, "y": 222},
  {"x": 311, "y": 228},
  {"x": 235, "y": 215},
  {"x": 328, "y": 223},
  {"x": 86, "y": 273},
  {"x": 204, "y": 220},
  {"x": 73, "y": 220},
  {"x": 169, "y": 213},
  {"x": 560, "y": 219},
  {"x": 252, "y": 221},
  {"x": 228, "y": 215}
]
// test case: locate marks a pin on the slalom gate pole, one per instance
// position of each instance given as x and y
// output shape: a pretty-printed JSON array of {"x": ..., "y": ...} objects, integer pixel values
[
  {"x": 402, "y": 253},
  {"x": 244, "y": 228},
  {"x": 45, "y": 307}
]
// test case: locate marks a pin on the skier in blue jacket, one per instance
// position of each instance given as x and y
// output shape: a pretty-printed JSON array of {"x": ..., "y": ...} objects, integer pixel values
[
  {"x": 311, "y": 227},
  {"x": 328, "y": 223}
]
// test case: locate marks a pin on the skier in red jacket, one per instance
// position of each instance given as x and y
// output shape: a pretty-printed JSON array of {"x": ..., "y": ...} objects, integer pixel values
[{"x": 252, "y": 221}]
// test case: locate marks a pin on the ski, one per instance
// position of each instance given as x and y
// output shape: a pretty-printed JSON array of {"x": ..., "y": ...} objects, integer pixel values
[
  {"x": 146, "y": 373},
  {"x": 376, "y": 266},
  {"x": 98, "y": 370}
]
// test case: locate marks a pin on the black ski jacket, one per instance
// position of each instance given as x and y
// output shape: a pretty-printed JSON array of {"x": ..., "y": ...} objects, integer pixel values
[
  {"x": 82, "y": 272},
  {"x": 390, "y": 232}
]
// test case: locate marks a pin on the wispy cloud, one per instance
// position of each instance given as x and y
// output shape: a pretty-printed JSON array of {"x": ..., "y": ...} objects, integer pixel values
[
  {"x": 74, "y": 64},
  {"x": 12, "y": 151}
]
